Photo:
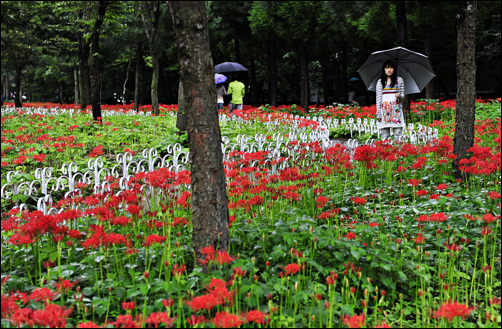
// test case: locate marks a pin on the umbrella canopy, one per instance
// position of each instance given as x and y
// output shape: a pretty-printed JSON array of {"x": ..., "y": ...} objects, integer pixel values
[
  {"x": 229, "y": 67},
  {"x": 414, "y": 68},
  {"x": 219, "y": 78}
]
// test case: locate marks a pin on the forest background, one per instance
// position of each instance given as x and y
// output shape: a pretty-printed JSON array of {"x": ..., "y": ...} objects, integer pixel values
[{"x": 48, "y": 48}]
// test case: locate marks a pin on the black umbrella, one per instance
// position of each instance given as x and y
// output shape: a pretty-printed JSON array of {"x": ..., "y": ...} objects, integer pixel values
[
  {"x": 229, "y": 67},
  {"x": 413, "y": 67}
]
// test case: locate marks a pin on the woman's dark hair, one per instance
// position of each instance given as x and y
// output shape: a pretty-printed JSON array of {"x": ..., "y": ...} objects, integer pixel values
[{"x": 393, "y": 76}]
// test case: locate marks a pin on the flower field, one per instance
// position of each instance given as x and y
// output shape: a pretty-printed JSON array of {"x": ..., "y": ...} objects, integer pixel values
[{"x": 321, "y": 234}]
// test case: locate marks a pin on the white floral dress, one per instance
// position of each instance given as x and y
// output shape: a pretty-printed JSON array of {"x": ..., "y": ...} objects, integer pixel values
[{"x": 388, "y": 109}]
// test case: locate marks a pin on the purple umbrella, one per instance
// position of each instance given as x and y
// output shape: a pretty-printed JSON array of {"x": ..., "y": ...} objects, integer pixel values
[
  {"x": 229, "y": 67},
  {"x": 219, "y": 78}
]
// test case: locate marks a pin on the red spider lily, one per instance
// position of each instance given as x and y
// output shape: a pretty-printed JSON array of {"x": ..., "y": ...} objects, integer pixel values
[
  {"x": 452, "y": 309},
  {"x": 453, "y": 247},
  {"x": 486, "y": 268},
  {"x": 154, "y": 238},
  {"x": 419, "y": 239},
  {"x": 383, "y": 324},
  {"x": 291, "y": 268},
  {"x": 226, "y": 320},
  {"x": 126, "y": 321},
  {"x": 439, "y": 217},
  {"x": 178, "y": 271},
  {"x": 414, "y": 182},
  {"x": 128, "y": 306},
  {"x": 52, "y": 316},
  {"x": 486, "y": 230},
  {"x": 350, "y": 236},
  {"x": 488, "y": 218},
  {"x": 64, "y": 284},
  {"x": 222, "y": 257},
  {"x": 238, "y": 272},
  {"x": 493, "y": 195},
  {"x": 196, "y": 320},
  {"x": 321, "y": 201},
  {"x": 255, "y": 316},
  {"x": 358, "y": 200},
  {"x": 331, "y": 279},
  {"x": 160, "y": 317},
  {"x": 441, "y": 187},
  {"x": 204, "y": 302},
  {"x": 354, "y": 321},
  {"x": 168, "y": 303}
]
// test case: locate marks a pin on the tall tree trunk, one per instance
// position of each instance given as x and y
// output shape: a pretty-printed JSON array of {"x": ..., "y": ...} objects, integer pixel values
[
  {"x": 83, "y": 62},
  {"x": 138, "y": 77},
  {"x": 466, "y": 82},
  {"x": 429, "y": 89},
  {"x": 18, "y": 99},
  {"x": 77, "y": 89},
  {"x": 402, "y": 41},
  {"x": 304, "y": 79},
  {"x": 124, "y": 89},
  {"x": 151, "y": 25},
  {"x": 209, "y": 194},
  {"x": 84, "y": 82},
  {"x": 61, "y": 93},
  {"x": 401, "y": 23},
  {"x": 155, "y": 81},
  {"x": 272, "y": 73},
  {"x": 96, "y": 61}
]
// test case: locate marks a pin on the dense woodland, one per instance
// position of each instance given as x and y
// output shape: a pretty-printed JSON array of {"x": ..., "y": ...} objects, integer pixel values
[{"x": 111, "y": 51}]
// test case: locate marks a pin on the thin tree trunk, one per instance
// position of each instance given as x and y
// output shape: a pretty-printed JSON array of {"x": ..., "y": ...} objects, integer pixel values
[
  {"x": 77, "y": 91},
  {"x": 151, "y": 30},
  {"x": 155, "y": 82},
  {"x": 272, "y": 73},
  {"x": 124, "y": 89},
  {"x": 466, "y": 82},
  {"x": 96, "y": 62},
  {"x": 402, "y": 40},
  {"x": 18, "y": 100},
  {"x": 304, "y": 79},
  {"x": 137, "y": 79},
  {"x": 209, "y": 195},
  {"x": 61, "y": 93}
]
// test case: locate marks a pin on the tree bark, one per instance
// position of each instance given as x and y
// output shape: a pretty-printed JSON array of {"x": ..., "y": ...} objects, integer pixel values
[
  {"x": 402, "y": 40},
  {"x": 209, "y": 195},
  {"x": 77, "y": 89},
  {"x": 152, "y": 31},
  {"x": 138, "y": 76},
  {"x": 272, "y": 73},
  {"x": 124, "y": 89},
  {"x": 83, "y": 62},
  {"x": 304, "y": 79},
  {"x": 96, "y": 61},
  {"x": 466, "y": 82},
  {"x": 18, "y": 99}
]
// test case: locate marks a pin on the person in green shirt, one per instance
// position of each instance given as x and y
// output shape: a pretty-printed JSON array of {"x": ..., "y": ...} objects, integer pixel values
[{"x": 236, "y": 89}]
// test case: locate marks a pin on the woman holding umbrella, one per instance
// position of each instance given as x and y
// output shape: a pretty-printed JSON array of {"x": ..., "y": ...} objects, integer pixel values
[
  {"x": 219, "y": 79},
  {"x": 389, "y": 93}
]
